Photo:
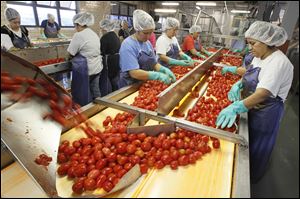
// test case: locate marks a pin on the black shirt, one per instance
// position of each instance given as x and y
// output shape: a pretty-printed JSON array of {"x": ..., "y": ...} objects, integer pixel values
[
  {"x": 124, "y": 33},
  {"x": 110, "y": 43}
]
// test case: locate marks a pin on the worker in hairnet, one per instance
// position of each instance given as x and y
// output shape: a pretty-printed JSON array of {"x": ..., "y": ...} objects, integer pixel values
[
  {"x": 110, "y": 46},
  {"x": 137, "y": 57},
  {"x": 13, "y": 34},
  {"x": 86, "y": 62},
  {"x": 265, "y": 86},
  {"x": 167, "y": 46},
  {"x": 192, "y": 45},
  {"x": 50, "y": 29},
  {"x": 124, "y": 31}
]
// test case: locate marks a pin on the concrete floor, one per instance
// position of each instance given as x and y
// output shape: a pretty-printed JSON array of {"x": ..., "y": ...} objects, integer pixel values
[{"x": 281, "y": 180}]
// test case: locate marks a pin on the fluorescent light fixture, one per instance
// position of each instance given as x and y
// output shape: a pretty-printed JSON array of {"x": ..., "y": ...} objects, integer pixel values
[
  {"x": 165, "y": 10},
  {"x": 113, "y": 4},
  {"x": 170, "y": 4},
  {"x": 240, "y": 11},
  {"x": 206, "y": 4},
  {"x": 198, "y": 7}
]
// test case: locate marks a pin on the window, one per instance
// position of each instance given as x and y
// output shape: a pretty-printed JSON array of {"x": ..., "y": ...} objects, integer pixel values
[
  {"x": 34, "y": 12},
  {"x": 120, "y": 11},
  {"x": 26, "y": 12}
]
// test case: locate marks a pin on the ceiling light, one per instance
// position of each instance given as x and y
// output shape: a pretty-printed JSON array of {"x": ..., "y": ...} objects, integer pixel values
[
  {"x": 113, "y": 4},
  {"x": 206, "y": 4},
  {"x": 165, "y": 10},
  {"x": 198, "y": 7},
  {"x": 240, "y": 11},
  {"x": 170, "y": 4}
]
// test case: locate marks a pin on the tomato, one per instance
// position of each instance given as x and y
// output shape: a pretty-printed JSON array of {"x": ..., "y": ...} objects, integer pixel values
[
  {"x": 89, "y": 184},
  {"x": 94, "y": 173},
  {"x": 157, "y": 143},
  {"x": 174, "y": 164},
  {"x": 100, "y": 180},
  {"x": 132, "y": 137},
  {"x": 216, "y": 144},
  {"x": 141, "y": 136},
  {"x": 107, "y": 186},
  {"x": 100, "y": 164},
  {"x": 146, "y": 146},
  {"x": 179, "y": 144},
  {"x": 159, "y": 165},
  {"x": 166, "y": 159},
  {"x": 131, "y": 148},
  {"x": 71, "y": 172},
  {"x": 112, "y": 157},
  {"x": 128, "y": 166},
  {"x": 192, "y": 159},
  {"x": 121, "y": 173},
  {"x": 117, "y": 168},
  {"x": 122, "y": 160},
  {"x": 134, "y": 159},
  {"x": 183, "y": 160},
  {"x": 78, "y": 187},
  {"x": 166, "y": 144},
  {"x": 107, "y": 170},
  {"x": 174, "y": 154},
  {"x": 137, "y": 143},
  {"x": 80, "y": 170},
  {"x": 61, "y": 158},
  {"x": 205, "y": 139},
  {"x": 143, "y": 168}
]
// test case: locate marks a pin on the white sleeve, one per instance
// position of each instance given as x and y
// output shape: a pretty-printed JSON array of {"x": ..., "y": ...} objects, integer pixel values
[
  {"x": 6, "y": 42},
  {"x": 272, "y": 79},
  {"x": 161, "y": 46},
  {"x": 75, "y": 45}
]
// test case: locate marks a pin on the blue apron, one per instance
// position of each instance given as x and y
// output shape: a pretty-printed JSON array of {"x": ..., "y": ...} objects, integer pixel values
[
  {"x": 248, "y": 59},
  {"x": 172, "y": 53},
  {"x": 80, "y": 87},
  {"x": 263, "y": 122},
  {"x": 104, "y": 82},
  {"x": 146, "y": 60},
  {"x": 51, "y": 32},
  {"x": 20, "y": 42}
]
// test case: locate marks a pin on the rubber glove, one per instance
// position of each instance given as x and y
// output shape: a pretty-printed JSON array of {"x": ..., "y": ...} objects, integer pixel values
[
  {"x": 60, "y": 35},
  {"x": 231, "y": 69},
  {"x": 228, "y": 115},
  {"x": 237, "y": 50},
  {"x": 201, "y": 56},
  {"x": 186, "y": 57},
  {"x": 180, "y": 62},
  {"x": 207, "y": 52},
  {"x": 168, "y": 72},
  {"x": 43, "y": 36},
  {"x": 159, "y": 76},
  {"x": 234, "y": 93}
]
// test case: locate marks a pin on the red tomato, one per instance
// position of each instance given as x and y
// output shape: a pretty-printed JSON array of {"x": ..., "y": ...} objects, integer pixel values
[{"x": 89, "y": 184}]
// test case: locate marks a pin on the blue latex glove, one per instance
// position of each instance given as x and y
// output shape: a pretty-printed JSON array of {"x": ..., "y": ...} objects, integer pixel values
[
  {"x": 168, "y": 72},
  {"x": 234, "y": 93},
  {"x": 199, "y": 55},
  {"x": 186, "y": 57},
  {"x": 228, "y": 115},
  {"x": 231, "y": 69},
  {"x": 43, "y": 36},
  {"x": 180, "y": 62},
  {"x": 159, "y": 76}
]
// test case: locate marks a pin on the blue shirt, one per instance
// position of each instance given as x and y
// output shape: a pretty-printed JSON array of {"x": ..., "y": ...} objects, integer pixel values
[
  {"x": 129, "y": 53},
  {"x": 44, "y": 24}
]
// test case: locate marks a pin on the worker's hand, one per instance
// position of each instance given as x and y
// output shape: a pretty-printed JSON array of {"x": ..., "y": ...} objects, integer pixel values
[
  {"x": 201, "y": 56},
  {"x": 181, "y": 62},
  {"x": 207, "y": 53},
  {"x": 43, "y": 36},
  {"x": 186, "y": 57},
  {"x": 234, "y": 93},
  {"x": 227, "y": 116},
  {"x": 168, "y": 72},
  {"x": 159, "y": 76},
  {"x": 237, "y": 50},
  {"x": 231, "y": 69}
]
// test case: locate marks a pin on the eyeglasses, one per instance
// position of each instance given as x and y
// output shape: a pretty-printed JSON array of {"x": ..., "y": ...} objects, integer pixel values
[{"x": 147, "y": 33}]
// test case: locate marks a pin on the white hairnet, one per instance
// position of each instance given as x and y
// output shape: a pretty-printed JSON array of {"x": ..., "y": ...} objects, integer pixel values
[
  {"x": 265, "y": 32},
  {"x": 84, "y": 19},
  {"x": 50, "y": 16},
  {"x": 195, "y": 28},
  {"x": 11, "y": 14},
  {"x": 124, "y": 22},
  {"x": 142, "y": 21},
  {"x": 169, "y": 23},
  {"x": 107, "y": 24}
]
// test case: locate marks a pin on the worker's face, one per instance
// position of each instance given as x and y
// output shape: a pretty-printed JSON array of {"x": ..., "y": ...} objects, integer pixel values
[
  {"x": 257, "y": 48},
  {"x": 144, "y": 35},
  {"x": 125, "y": 25},
  {"x": 196, "y": 35},
  {"x": 15, "y": 23},
  {"x": 51, "y": 20},
  {"x": 172, "y": 32}
]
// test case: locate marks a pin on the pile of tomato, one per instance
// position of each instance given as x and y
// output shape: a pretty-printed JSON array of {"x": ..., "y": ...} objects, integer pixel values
[
  {"x": 229, "y": 60},
  {"x": 49, "y": 61},
  {"x": 215, "y": 99}
]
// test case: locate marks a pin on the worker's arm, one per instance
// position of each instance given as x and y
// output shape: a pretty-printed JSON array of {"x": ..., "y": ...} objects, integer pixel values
[
  {"x": 194, "y": 51},
  {"x": 139, "y": 74},
  {"x": 259, "y": 96},
  {"x": 43, "y": 36},
  {"x": 164, "y": 58}
]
